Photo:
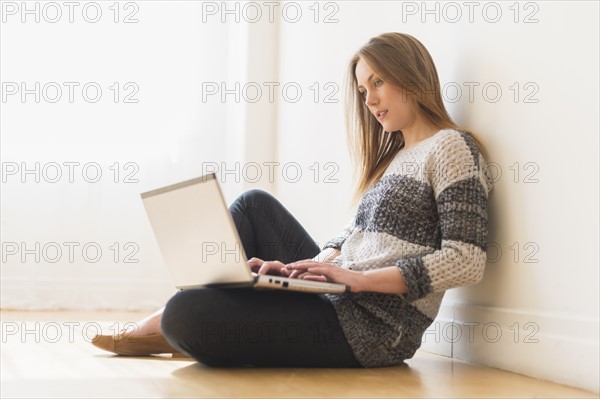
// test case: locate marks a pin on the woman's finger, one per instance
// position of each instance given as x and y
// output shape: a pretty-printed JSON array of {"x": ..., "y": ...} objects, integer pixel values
[
  {"x": 314, "y": 277},
  {"x": 299, "y": 261},
  {"x": 299, "y": 265},
  {"x": 285, "y": 272},
  {"x": 264, "y": 268},
  {"x": 294, "y": 274},
  {"x": 272, "y": 267},
  {"x": 255, "y": 264}
]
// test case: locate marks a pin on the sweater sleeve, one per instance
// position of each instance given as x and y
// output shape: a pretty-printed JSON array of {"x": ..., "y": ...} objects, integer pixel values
[
  {"x": 337, "y": 241},
  {"x": 460, "y": 182}
]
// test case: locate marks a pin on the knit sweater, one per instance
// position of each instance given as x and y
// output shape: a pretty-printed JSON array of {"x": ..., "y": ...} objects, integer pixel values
[{"x": 427, "y": 215}]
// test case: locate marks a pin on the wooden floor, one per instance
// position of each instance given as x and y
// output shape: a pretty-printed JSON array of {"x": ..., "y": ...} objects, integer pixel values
[{"x": 49, "y": 355}]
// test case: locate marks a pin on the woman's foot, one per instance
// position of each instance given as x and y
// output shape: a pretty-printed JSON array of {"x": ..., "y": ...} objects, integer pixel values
[
  {"x": 146, "y": 345},
  {"x": 142, "y": 339},
  {"x": 148, "y": 326}
]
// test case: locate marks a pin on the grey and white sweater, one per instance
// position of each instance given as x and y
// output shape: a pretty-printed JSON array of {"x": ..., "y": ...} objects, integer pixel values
[{"x": 427, "y": 215}]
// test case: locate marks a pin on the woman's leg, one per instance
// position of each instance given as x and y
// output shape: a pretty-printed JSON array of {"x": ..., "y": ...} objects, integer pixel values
[
  {"x": 236, "y": 327},
  {"x": 267, "y": 230},
  {"x": 147, "y": 326},
  {"x": 248, "y": 327}
]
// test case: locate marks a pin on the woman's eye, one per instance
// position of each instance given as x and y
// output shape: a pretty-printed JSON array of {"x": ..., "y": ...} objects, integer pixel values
[
  {"x": 362, "y": 93},
  {"x": 377, "y": 82}
]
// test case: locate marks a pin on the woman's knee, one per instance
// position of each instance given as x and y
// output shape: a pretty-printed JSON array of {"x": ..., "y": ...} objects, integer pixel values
[
  {"x": 257, "y": 197},
  {"x": 186, "y": 323},
  {"x": 187, "y": 310},
  {"x": 254, "y": 198}
]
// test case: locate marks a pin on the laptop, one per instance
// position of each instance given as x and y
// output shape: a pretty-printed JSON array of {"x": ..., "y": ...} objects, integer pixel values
[{"x": 200, "y": 244}]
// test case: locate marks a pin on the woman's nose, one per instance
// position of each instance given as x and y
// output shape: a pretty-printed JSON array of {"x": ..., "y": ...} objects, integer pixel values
[{"x": 371, "y": 99}]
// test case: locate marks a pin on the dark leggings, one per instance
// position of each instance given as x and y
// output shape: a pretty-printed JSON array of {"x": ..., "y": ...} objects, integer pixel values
[{"x": 248, "y": 327}]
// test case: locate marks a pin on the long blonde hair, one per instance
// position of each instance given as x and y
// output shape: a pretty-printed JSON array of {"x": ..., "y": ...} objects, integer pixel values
[{"x": 402, "y": 61}]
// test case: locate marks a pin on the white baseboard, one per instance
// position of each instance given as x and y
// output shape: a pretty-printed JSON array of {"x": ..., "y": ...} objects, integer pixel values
[{"x": 550, "y": 347}]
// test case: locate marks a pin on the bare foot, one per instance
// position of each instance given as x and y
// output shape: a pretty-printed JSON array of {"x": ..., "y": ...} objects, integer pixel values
[{"x": 147, "y": 326}]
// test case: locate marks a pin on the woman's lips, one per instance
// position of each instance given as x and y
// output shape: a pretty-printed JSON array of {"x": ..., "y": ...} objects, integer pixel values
[{"x": 381, "y": 114}]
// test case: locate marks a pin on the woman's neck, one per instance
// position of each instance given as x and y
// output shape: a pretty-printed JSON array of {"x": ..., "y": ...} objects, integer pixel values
[{"x": 418, "y": 132}]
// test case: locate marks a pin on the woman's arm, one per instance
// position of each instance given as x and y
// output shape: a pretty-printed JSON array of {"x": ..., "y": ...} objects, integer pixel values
[
  {"x": 386, "y": 280},
  {"x": 460, "y": 183}
]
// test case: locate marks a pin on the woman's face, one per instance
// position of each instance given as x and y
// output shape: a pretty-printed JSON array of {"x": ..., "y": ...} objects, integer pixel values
[{"x": 387, "y": 103}]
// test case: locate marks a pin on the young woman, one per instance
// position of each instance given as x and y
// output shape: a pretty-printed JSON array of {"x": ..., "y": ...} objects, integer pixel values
[{"x": 420, "y": 228}]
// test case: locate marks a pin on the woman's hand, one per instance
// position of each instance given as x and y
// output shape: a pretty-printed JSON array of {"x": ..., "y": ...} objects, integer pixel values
[
  {"x": 273, "y": 267},
  {"x": 308, "y": 269},
  {"x": 387, "y": 280}
]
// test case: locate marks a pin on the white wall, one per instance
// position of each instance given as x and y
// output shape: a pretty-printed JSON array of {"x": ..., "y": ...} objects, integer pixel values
[
  {"x": 546, "y": 276},
  {"x": 172, "y": 134}
]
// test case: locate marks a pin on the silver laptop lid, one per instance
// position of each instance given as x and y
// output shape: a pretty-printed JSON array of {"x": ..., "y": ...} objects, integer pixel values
[{"x": 196, "y": 234}]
